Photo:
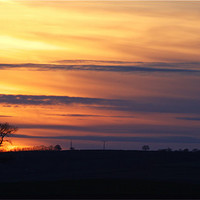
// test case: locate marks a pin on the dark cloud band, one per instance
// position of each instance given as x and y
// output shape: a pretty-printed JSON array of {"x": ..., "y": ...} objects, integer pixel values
[
  {"x": 119, "y": 129},
  {"x": 83, "y": 115},
  {"x": 172, "y": 139},
  {"x": 110, "y": 66},
  {"x": 139, "y": 104},
  {"x": 189, "y": 118}
]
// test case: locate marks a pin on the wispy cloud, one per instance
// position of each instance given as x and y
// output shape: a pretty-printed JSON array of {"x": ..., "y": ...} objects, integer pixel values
[
  {"x": 189, "y": 118},
  {"x": 85, "y": 115},
  {"x": 55, "y": 100},
  {"x": 119, "y": 129},
  {"x": 5, "y": 116},
  {"x": 110, "y": 66},
  {"x": 159, "y": 139},
  {"x": 96, "y": 62},
  {"x": 139, "y": 104}
]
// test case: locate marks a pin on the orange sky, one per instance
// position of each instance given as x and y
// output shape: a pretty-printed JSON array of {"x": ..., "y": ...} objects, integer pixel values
[
  {"x": 45, "y": 31},
  {"x": 108, "y": 39}
]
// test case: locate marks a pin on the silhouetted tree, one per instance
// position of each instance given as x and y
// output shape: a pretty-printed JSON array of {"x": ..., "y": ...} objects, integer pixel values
[
  {"x": 195, "y": 150},
  {"x": 6, "y": 130},
  {"x": 57, "y": 148},
  {"x": 145, "y": 148}
]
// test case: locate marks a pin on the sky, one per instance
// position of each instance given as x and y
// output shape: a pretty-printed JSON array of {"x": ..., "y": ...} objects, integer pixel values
[{"x": 124, "y": 72}]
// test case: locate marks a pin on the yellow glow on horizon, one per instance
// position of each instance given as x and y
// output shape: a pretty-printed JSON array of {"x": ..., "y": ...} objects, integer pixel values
[{"x": 10, "y": 147}]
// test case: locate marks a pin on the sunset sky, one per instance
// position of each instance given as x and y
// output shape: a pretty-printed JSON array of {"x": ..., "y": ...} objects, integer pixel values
[{"x": 124, "y": 72}]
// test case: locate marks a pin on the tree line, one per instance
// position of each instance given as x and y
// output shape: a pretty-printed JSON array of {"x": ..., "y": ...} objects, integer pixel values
[{"x": 7, "y": 130}]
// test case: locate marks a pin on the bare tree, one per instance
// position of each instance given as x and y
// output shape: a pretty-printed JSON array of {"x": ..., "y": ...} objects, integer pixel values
[
  {"x": 6, "y": 130},
  {"x": 145, "y": 148}
]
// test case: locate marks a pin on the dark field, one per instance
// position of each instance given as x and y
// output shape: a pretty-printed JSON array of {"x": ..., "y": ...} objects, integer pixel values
[{"x": 100, "y": 174}]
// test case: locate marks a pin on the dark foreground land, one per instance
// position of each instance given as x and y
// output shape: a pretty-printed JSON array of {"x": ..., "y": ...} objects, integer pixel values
[{"x": 100, "y": 174}]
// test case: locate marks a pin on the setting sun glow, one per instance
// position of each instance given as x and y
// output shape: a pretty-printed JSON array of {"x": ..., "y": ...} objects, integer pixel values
[{"x": 88, "y": 71}]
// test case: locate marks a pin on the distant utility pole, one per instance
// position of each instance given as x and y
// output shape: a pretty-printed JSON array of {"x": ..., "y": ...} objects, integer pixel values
[
  {"x": 71, "y": 147},
  {"x": 104, "y": 144}
]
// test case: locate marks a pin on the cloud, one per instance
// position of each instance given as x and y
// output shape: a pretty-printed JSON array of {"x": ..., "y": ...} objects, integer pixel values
[
  {"x": 5, "y": 116},
  {"x": 54, "y": 100},
  {"x": 96, "y": 61},
  {"x": 83, "y": 115},
  {"x": 139, "y": 104},
  {"x": 171, "y": 139},
  {"x": 162, "y": 105},
  {"x": 131, "y": 63},
  {"x": 119, "y": 129},
  {"x": 110, "y": 66},
  {"x": 189, "y": 118}
]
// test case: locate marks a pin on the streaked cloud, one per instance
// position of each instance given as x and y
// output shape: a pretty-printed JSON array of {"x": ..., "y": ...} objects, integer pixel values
[
  {"x": 159, "y": 139},
  {"x": 119, "y": 129},
  {"x": 85, "y": 115},
  {"x": 112, "y": 66},
  {"x": 5, "y": 116},
  {"x": 189, "y": 118},
  {"x": 54, "y": 100},
  {"x": 139, "y": 104}
]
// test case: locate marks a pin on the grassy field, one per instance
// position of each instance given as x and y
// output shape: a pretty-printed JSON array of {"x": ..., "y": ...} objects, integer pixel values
[{"x": 100, "y": 174}]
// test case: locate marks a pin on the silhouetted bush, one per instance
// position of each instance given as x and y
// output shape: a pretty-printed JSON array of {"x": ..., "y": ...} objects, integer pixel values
[{"x": 57, "y": 148}]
